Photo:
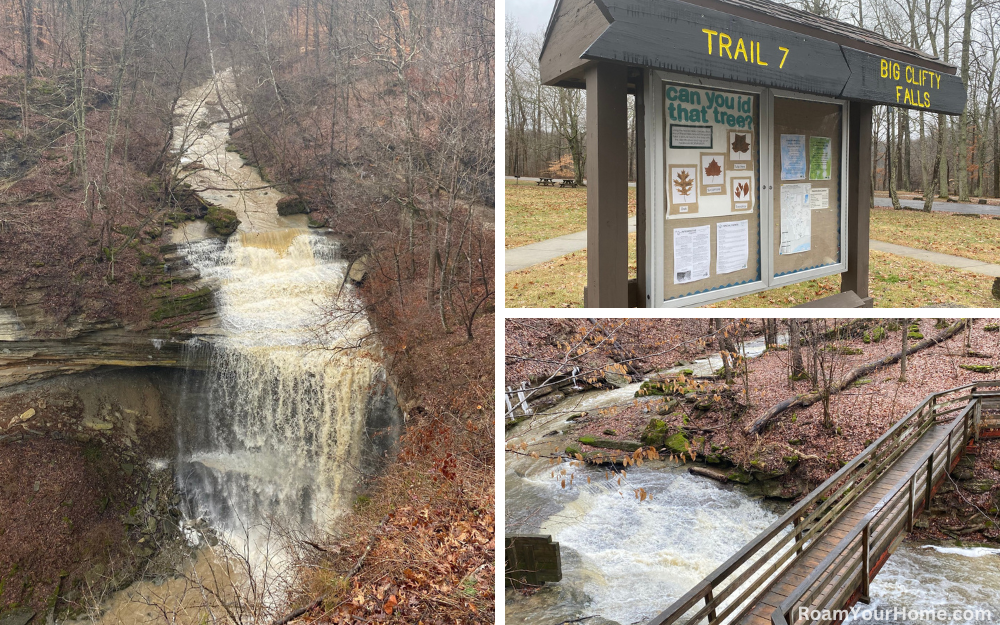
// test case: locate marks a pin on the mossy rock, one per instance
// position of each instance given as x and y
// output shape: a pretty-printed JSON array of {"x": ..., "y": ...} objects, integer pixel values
[
  {"x": 183, "y": 304},
  {"x": 605, "y": 443},
  {"x": 222, "y": 220},
  {"x": 572, "y": 451},
  {"x": 875, "y": 335},
  {"x": 609, "y": 432},
  {"x": 844, "y": 350},
  {"x": 795, "y": 441},
  {"x": 677, "y": 443},
  {"x": 993, "y": 327},
  {"x": 705, "y": 404},
  {"x": 575, "y": 416},
  {"x": 713, "y": 459},
  {"x": 655, "y": 433},
  {"x": 914, "y": 333},
  {"x": 739, "y": 476},
  {"x": 661, "y": 387},
  {"x": 318, "y": 223},
  {"x": 292, "y": 205},
  {"x": 979, "y": 368},
  {"x": 979, "y": 486}
]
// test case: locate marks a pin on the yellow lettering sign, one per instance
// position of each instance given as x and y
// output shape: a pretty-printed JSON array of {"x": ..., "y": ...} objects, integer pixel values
[
  {"x": 915, "y": 76},
  {"x": 745, "y": 50}
]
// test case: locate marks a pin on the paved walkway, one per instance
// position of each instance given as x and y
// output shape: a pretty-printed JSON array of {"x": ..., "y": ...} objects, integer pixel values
[
  {"x": 947, "y": 260},
  {"x": 525, "y": 256},
  {"x": 944, "y": 207},
  {"x": 518, "y": 258}
]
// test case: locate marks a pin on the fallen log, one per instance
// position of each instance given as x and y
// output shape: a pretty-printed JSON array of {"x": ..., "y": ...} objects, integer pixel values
[
  {"x": 712, "y": 474},
  {"x": 808, "y": 399}
]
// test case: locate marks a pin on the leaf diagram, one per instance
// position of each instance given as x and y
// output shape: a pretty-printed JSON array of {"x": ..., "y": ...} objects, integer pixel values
[
  {"x": 740, "y": 144},
  {"x": 683, "y": 183},
  {"x": 713, "y": 169},
  {"x": 742, "y": 190}
]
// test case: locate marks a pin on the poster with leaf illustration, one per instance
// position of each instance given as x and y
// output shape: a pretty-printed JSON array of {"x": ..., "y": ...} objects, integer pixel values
[
  {"x": 742, "y": 189},
  {"x": 739, "y": 146},
  {"x": 712, "y": 174},
  {"x": 683, "y": 189}
]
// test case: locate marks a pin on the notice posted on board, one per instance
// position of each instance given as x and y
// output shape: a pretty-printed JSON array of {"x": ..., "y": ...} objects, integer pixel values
[{"x": 692, "y": 254}]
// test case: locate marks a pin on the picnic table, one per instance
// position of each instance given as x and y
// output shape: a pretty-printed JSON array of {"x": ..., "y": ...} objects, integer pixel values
[
  {"x": 568, "y": 182},
  {"x": 546, "y": 182}
]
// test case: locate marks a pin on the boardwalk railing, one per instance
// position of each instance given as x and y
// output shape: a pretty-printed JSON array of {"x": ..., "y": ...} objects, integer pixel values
[{"x": 739, "y": 582}]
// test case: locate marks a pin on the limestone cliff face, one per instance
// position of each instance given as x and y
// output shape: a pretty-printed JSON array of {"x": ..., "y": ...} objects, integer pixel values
[{"x": 34, "y": 346}]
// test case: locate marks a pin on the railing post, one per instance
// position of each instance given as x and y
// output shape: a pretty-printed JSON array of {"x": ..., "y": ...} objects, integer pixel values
[
  {"x": 798, "y": 534},
  {"x": 979, "y": 417},
  {"x": 909, "y": 523},
  {"x": 866, "y": 563},
  {"x": 708, "y": 602},
  {"x": 930, "y": 480},
  {"x": 947, "y": 467}
]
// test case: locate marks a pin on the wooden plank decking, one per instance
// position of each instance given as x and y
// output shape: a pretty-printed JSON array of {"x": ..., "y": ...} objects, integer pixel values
[{"x": 814, "y": 554}]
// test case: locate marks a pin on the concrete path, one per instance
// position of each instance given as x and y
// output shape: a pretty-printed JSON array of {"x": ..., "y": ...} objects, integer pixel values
[
  {"x": 947, "y": 260},
  {"x": 518, "y": 258},
  {"x": 523, "y": 257},
  {"x": 944, "y": 207}
]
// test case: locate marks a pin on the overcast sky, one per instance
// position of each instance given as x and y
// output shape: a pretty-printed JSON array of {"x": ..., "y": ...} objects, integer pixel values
[{"x": 531, "y": 15}]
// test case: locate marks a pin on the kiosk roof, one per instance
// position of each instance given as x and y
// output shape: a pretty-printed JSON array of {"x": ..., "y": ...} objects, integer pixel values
[{"x": 766, "y": 43}]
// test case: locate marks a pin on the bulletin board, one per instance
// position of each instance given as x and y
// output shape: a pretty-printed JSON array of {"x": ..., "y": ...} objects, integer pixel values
[
  {"x": 711, "y": 164},
  {"x": 807, "y": 159}
]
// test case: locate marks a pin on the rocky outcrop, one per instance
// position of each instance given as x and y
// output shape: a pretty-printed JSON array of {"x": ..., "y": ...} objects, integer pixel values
[{"x": 33, "y": 360}]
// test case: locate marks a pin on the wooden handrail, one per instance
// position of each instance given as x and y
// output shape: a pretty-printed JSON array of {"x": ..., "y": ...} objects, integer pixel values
[
  {"x": 808, "y": 588},
  {"x": 846, "y": 486}
]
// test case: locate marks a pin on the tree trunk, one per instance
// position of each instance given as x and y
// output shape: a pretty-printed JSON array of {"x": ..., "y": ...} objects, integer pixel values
[
  {"x": 29, "y": 40},
  {"x": 963, "y": 156},
  {"x": 943, "y": 119},
  {"x": 890, "y": 159},
  {"x": 902, "y": 359},
  {"x": 795, "y": 347}
]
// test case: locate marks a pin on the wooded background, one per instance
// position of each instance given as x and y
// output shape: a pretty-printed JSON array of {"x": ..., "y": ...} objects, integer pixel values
[{"x": 948, "y": 155}]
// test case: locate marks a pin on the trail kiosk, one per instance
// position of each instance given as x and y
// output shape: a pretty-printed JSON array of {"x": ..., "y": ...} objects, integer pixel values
[{"x": 753, "y": 135}]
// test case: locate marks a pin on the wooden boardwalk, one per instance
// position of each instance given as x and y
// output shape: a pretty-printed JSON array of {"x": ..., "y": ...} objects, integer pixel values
[{"x": 824, "y": 552}]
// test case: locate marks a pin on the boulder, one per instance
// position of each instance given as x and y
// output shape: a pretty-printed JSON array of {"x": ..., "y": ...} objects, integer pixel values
[
  {"x": 618, "y": 380},
  {"x": 739, "y": 476},
  {"x": 359, "y": 269},
  {"x": 21, "y": 616},
  {"x": 292, "y": 205},
  {"x": 677, "y": 443},
  {"x": 222, "y": 220},
  {"x": 655, "y": 433}
]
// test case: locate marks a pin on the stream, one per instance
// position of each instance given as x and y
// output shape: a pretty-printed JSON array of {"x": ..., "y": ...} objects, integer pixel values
[{"x": 624, "y": 561}]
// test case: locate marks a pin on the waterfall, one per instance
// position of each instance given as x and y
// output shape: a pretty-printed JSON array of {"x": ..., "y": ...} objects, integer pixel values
[
  {"x": 293, "y": 407},
  {"x": 277, "y": 429}
]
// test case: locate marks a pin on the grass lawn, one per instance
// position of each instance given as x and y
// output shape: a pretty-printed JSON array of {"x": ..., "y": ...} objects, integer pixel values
[
  {"x": 895, "y": 282},
  {"x": 556, "y": 284},
  {"x": 535, "y": 213},
  {"x": 969, "y": 237}
]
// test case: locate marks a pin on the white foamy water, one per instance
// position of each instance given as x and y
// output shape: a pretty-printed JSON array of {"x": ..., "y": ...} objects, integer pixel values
[
  {"x": 925, "y": 578},
  {"x": 276, "y": 429}
]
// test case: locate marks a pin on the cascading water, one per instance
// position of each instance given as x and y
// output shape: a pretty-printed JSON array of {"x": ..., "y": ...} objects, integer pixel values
[
  {"x": 279, "y": 429},
  {"x": 285, "y": 419}
]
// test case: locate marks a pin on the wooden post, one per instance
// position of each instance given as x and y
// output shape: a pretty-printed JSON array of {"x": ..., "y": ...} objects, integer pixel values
[
  {"x": 859, "y": 164},
  {"x": 866, "y": 563},
  {"x": 910, "y": 519},
  {"x": 607, "y": 187},
  {"x": 930, "y": 481},
  {"x": 643, "y": 299},
  {"x": 708, "y": 602}
]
